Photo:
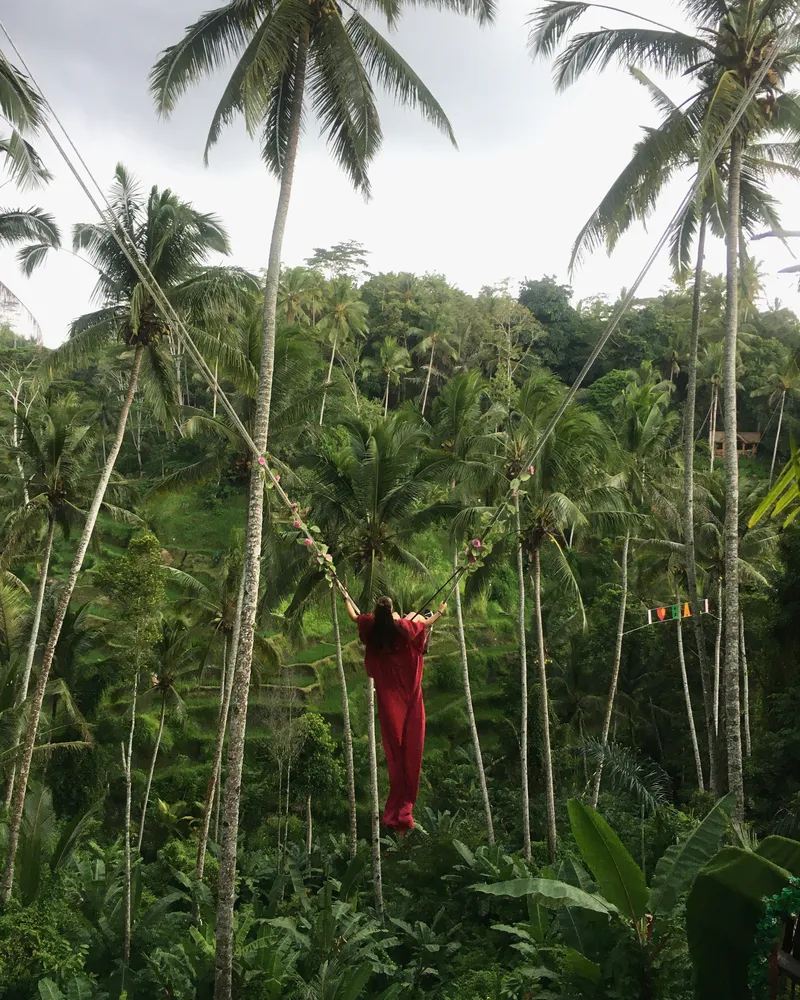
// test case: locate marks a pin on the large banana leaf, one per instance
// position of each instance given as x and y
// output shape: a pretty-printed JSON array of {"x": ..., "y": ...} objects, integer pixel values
[
  {"x": 722, "y": 911},
  {"x": 550, "y": 893},
  {"x": 618, "y": 876},
  {"x": 680, "y": 863},
  {"x": 782, "y": 852}
]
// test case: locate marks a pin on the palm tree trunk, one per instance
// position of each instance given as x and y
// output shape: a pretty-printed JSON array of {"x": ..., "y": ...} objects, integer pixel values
[
  {"x": 55, "y": 631},
  {"x": 689, "y": 411},
  {"x": 214, "y": 782},
  {"x": 386, "y": 395},
  {"x": 547, "y": 761},
  {"x": 612, "y": 689},
  {"x": 523, "y": 666},
  {"x": 746, "y": 689},
  {"x": 328, "y": 379},
  {"x": 733, "y": 735},
  {"x": 15, "y": 395},
  {"x": 718, "y": 658},
  {"x": 126, "y": 946},
  {"x": 31, "y": 652},
  {"x": 698, "y": 763},
  {"x": 252, "y": 554},
  {"x": 777, "y": 439},
  {"x": 348, "y": 732},
  {"x": 309, "y": 825},
  {"x": 712, "y": 429},
  {"x": 473, "y": 726},
  {"x": 216, "y": 383},
  {"x": 377, "y": 877},
  {"x": 428, "y": 379},
  {"x": 152, "y": 769}
]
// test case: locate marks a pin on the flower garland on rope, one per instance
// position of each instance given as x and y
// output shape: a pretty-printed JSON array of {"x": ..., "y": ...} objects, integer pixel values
[
  {"x": 307, "y": 535},
  {"x": 303, "y": 533},
  {"x": 785, "y": 904}
]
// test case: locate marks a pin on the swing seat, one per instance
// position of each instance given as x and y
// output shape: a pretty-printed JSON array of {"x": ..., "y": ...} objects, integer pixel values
[{"x": 785, "y": 962}]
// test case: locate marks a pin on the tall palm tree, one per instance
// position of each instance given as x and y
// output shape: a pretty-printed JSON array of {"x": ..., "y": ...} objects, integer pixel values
[
  {"x": 462, "y": 430},
  {"x": 54, "y": 450},
  {"x": 344, "y": 319},
  {"x": 392, "y": 363},
  {"x": 174, "y": 239},
  {"x": 644, "y": 425},
  {"x": 560, "y": 492},
  {"x": 728, "y": 53},
  {"x": 175, "y": 655},
  {"x": 289, "y": 54},
  {"x": 436, "y": 332},
  {"x": 23, "y": 111},
  {"x": 369, "y": 496},
  {"x": 298, "y": 295},
  {"x": 782, "y": 380}
]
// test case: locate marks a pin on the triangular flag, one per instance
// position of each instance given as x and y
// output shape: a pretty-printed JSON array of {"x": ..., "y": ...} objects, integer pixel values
[
  {"x": 686, "y": 611},
  {"x": 662, "y": 613},
  {"x": 676, "y": 611}
]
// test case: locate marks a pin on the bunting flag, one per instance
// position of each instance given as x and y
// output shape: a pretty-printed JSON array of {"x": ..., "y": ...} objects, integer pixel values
[{"x": 675, "y": 611}]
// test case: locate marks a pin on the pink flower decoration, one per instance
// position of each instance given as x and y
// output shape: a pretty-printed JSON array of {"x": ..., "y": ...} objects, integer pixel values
[
  {"x": 516, "y": 493},
  {"x": 329, "y": 557},
  {"x": 277, "y": 479},
  {"x": 262, "y": 460},
  {"x": 472, "y": 558},
  {"x": 531, "y": 469},
  {"x": 308, "y": 543},
  {"x": 297, "y": 524},
  {"x": 476, "y": 543}
]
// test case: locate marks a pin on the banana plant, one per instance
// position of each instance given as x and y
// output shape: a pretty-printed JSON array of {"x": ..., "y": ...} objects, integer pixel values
[
  {"x": 78, "y": 988},
  {"x": 619, "y": 891}
]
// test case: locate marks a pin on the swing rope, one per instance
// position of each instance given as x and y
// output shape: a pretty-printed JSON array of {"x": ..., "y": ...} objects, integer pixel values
[{"x": 162, "y": 303}]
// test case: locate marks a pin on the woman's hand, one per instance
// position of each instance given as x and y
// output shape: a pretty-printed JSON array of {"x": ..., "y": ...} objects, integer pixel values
[{"x": 443, "y": 607}]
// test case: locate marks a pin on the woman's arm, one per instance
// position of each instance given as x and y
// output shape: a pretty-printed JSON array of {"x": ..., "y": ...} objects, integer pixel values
[
  {"x": 415, "y": 617},
  {"x": 352, "y": 611}
]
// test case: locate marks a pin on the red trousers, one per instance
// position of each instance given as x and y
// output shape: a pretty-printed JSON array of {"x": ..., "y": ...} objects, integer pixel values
[{"x": 402, "y": 717}]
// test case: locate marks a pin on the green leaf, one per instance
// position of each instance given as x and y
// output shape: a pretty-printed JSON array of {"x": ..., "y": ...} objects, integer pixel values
[
  {"x": 582, "y": 966},
  {"x": 723, "y": 909},
  {"x": 680, "y": 864},
  {"x": 550, "y": 893},
  {"x": 782, "y": 852},
  {"x": 618, "y": 876},
  {"x": 49, "y": 991}
]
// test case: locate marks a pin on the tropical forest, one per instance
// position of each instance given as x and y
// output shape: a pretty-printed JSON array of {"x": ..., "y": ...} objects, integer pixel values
[{"x": 367, "y": 638}]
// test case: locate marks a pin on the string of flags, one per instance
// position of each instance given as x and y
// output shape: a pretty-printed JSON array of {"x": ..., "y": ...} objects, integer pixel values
[{"x": 675, "y": 611}]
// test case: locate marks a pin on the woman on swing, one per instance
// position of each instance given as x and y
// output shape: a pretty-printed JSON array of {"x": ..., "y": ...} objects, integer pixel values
[{"x": 393, "y": 659}]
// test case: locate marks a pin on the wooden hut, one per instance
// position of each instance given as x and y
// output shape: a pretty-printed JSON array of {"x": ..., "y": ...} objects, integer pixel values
[{"x": 748, "y": 444}]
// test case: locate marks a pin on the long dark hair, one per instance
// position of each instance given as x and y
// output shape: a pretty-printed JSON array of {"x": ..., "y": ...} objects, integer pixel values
[{"x": 386, "y": 633}]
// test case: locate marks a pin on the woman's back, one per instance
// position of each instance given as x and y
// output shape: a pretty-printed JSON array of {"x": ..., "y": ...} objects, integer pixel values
[{"x": 398, "y": 665}]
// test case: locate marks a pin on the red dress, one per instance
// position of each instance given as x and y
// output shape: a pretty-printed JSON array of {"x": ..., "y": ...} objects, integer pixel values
[{"x": 397, "y": 674}]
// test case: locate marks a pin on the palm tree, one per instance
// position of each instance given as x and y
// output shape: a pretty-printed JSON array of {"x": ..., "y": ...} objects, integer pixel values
[
  {"x": 368, "y": 495},
  {"x": 392, "y": 363},
  {"x": 299, "y": 294},
  {"x": 175, "y": 655},
  {"x": 23, "y": 111},
  {"x": 344, "y": 319},
  {"x": 735, "y": 46},
  {"x": 461, "y": 430},
  {"x": 173, "y": 239},
  {"x": 435, "y": 330},
  {"x": 644, "y": 426},
  {"x": 54, "y": 450},
  {"x": 279, "y": 48},
  {"x": 559, "y": 493},
  {"x": 782, "y": 380}
]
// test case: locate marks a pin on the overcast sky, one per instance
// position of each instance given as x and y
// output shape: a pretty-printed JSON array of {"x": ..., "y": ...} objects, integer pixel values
[{"x": 530, "y": 167}]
